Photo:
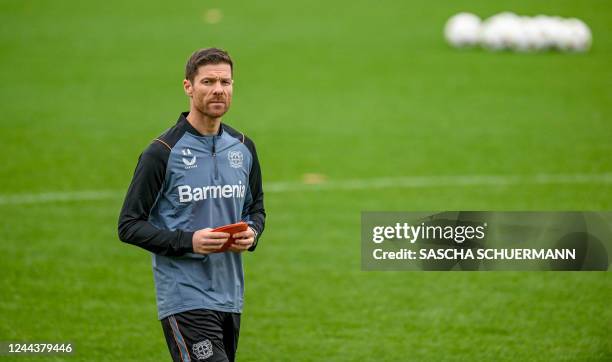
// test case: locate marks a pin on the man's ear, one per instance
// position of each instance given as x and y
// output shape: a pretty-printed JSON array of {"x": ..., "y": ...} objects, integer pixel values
[{"x": 187, "y": 87}]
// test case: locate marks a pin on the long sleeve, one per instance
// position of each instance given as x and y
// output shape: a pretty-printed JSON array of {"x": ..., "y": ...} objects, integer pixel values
[
  {"x": 255, "y": 210},
  {"x": 134, "y": 225}
]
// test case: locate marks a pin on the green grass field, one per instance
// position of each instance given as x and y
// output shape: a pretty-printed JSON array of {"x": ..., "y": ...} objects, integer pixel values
[{"x": 352, "y": 90}]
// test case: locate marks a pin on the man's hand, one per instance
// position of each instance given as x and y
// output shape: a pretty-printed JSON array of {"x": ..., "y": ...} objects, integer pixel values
[
  {"x": 243, "y": 240},
  {"x": 206, "y": 241}
]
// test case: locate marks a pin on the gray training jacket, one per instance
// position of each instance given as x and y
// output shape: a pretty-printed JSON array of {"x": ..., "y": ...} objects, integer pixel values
[{"x": 184, "y": 182}]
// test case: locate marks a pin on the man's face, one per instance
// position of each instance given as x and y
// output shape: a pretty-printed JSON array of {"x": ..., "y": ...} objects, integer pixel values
[{"x": 211, "y": 89}]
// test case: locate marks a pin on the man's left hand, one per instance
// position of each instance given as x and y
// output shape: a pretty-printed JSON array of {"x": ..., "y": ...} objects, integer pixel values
[{"x": 243, "y": 240}]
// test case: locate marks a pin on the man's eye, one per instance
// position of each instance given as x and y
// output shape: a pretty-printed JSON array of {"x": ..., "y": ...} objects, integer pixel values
[
  {"x": 206, "y": 82},
  {"x": 226, "y": 82}
]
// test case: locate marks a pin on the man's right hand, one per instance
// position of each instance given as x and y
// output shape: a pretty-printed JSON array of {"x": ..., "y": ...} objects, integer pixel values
[{"x": 206, "y": 241}]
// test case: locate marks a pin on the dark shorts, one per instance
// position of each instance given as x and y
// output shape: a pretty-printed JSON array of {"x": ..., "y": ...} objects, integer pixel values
[{"x": 202, "y": 335}]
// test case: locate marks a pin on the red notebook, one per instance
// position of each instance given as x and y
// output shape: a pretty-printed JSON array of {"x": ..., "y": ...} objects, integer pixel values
[{"x": 231, "y": 229}]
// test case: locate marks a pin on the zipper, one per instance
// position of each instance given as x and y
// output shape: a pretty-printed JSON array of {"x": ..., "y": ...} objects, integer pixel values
[{"x": 214, "y": 156}]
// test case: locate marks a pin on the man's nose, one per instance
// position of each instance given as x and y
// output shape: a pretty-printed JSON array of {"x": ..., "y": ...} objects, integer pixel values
[{"x": 218, "y": 89}]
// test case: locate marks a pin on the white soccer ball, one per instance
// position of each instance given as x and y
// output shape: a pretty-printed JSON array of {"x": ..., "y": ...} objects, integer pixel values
[
  {"x": 462, "y": 30},
  {"x": 579, "y": 35},
  {"x": 500, "y": 31},
  {"x": 546, "y": 26},
  {"x": 491, "y": 35},
  {"x": 533, "y": 37},
  {"x": 563, "y": 37},
  {"x": 516, "y": 35}
]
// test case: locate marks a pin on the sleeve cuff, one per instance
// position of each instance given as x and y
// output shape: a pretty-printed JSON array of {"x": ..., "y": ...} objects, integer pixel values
[{"x": 186, "y": 242}]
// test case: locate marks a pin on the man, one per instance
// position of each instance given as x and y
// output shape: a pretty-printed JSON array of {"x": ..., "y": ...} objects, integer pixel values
[{"x": 198, "y": 175}]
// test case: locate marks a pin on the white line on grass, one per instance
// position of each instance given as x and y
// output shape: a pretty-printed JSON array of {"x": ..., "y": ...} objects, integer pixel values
[
  {"x": 355, "y": 184},
  {"x": 11, "y": 199}
]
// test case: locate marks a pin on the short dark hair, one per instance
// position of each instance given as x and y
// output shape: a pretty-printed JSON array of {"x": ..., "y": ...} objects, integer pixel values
[{"x": 206, "y": 56}]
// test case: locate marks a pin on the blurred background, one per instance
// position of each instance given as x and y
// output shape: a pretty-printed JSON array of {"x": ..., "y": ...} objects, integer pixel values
[{"x": 354, "y": 106}]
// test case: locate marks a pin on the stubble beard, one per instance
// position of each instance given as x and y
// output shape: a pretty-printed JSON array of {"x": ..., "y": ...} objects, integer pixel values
[{"x": 206, "y": 110}]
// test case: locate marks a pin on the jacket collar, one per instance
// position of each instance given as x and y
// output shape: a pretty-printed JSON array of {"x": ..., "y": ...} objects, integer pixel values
[{"x": 183, "y": 119}]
